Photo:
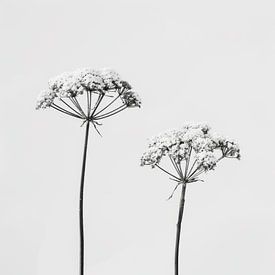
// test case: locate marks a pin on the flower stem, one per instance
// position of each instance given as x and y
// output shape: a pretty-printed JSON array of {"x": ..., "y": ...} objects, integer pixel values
[
  {"x": 180, "y": 215},
  {"x": 81, "y": 222}
]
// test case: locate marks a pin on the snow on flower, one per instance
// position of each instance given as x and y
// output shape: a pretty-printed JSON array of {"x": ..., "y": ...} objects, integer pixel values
[
  {"x": 206, "y": 159},
  {"x": 73, "y": 84},
  {"x": 130, "y": 98},
  {"x": 45, "y": 99},
  {"x": 196, "y": 140}
]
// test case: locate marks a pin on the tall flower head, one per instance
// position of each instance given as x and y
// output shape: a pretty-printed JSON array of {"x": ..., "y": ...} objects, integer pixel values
[
  {"x": 104, "y": 92},
  {"x": 89, "y": 95},
  {"x": 195, "y": 145}
]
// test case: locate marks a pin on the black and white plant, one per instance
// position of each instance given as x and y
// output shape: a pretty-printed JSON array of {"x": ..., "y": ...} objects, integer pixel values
[
  {"x": 90, "y": 96},
  {"x": 192, "y": 150}
]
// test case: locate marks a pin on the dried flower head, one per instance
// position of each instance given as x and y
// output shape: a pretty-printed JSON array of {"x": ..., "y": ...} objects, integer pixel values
[
  {"x": 192, "y": 143},
  {"x": 106, "y": 85}
]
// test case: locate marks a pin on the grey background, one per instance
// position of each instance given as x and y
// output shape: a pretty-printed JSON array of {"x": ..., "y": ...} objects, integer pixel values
[{"x": 190, "y": 61}]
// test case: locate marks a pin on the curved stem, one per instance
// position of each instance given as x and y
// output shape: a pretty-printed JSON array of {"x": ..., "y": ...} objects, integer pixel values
[
  {"x": 81, "y": 222},
  {"x": 180, "y": 215}
]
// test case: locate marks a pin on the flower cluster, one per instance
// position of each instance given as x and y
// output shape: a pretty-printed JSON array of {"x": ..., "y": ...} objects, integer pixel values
[
  {"x": 195, "y": 139},
  {"x": 45, "y": 99},
  {"x": 130, "y": 98},
  {"x": 72, "y": 84}
]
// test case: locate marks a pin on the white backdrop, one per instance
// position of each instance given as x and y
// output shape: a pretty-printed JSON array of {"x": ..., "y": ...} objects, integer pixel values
[{"x": 190, "y": 61}]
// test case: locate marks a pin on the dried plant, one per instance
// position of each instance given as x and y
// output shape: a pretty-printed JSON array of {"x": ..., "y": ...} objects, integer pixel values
[
  {"x": 192, "y": 151},
  {"x": 91, "y": 96}
]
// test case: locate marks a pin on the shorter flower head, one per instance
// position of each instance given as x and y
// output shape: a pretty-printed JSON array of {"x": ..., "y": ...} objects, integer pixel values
[{"x": 195, "y": 141}]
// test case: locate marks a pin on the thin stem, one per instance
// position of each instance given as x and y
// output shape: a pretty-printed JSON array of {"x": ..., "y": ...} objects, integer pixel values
[
  {"x": 110, "y": 112},
  {"x": 58, "y": 108},
  {"x": 199, "y": 171},
  {"x": 175, "y": 166},
  {"x": 167, "y": 172},
  {"x": 99, "y": 99},
  {"x": 107, "y": 105},
  {"x": 180, "y": 169},
  {"x": 118, "y": 110},
  {"x": 88, "y": 103},
  {"x": 70, "y": 106},
  {"x": 174, "y": 190},
  {"x": 90, "y": 100},
  {"x": 81, "y": 222},
  {"x": 190, "y": 171},
  {"x": 94, "y": 124},
  {"x": 71, "y": 99},
  {"x": 180, "y": 215},
  {"x": 79, "y": 106},
  {"x": 196, "y": 175},
  {"x": 187, "y": 163},
  {"x": 190, "y": 175}
]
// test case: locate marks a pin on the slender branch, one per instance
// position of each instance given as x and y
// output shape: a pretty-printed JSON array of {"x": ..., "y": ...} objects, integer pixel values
[
  {"x": 90, "y": 100},
  {"x": 175, "y": 166},
  {"x": 177, "y": 181},
  {"x": 99, "y": 99},
  {"x": 80, "y": 108},
  {"x": 77, "y": 106},
  {"x": 171, "y": 196},
  {"x": 112, "y": 113},
  {"x": 64, "y": 112},
  {"x": 189, "y": 176},
  {"x": 167, "y": 172},
  {"x": 96, "y": 128},
  {"x": 198, "y": 172},
  {"x": 88, "y": 103},
  {"x": 74, "y": 103},
  {"x": 107, "y": 106},
  {"x": 196, "y": 175},
  {"x": 180, "y": 168},
  {"x": 187, "y": 162},
  {"x": 70, "y": 107},
  {"x": 191, "y": 167},
  {"x": 58, "y": 108}
]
